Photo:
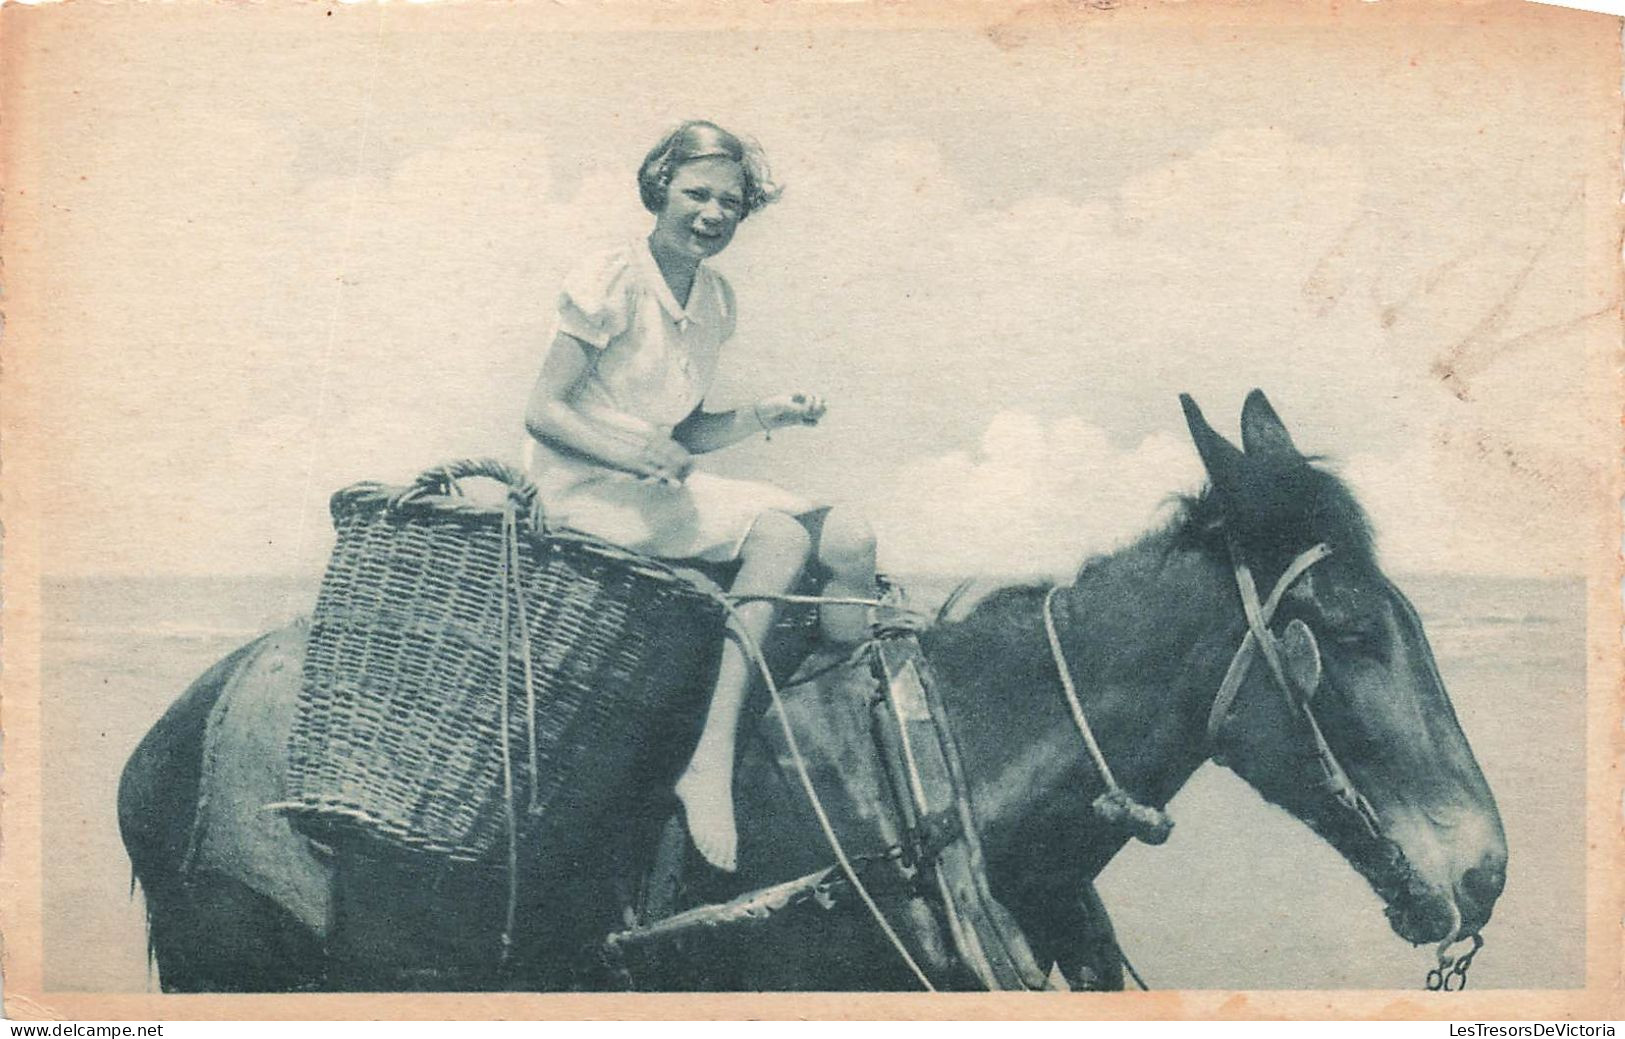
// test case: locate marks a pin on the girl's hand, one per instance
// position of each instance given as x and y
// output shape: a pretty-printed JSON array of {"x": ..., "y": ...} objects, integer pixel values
[
  {"x": 665, "y": 460},
  {"x": 790, "y": 409}
]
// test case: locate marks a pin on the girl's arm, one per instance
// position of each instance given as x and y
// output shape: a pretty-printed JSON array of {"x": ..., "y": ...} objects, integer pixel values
[
  {"x": 706, "y": 431},
  {"x": 551, "y": 418}
]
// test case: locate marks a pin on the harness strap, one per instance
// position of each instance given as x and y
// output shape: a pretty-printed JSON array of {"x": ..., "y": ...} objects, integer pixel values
[
  {"x": 509, "y": 577},
  {"x": 754, "y": 651},
  {"x": 751, "y": 907},
  {"x": 1071, "y": 692},
  {"x": 524, "y": 656},
  {"x": 988, "y": 940}
]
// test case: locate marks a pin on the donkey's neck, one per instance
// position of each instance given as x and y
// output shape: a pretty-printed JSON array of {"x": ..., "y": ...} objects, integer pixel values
[{"x": 1144, "y": 632}]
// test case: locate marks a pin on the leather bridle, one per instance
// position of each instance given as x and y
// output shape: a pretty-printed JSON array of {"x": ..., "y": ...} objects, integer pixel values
[
  {"x": 1151, "y": 824},
  {"x": 1260, "y": 638},
  {"x": 1451, "y": 973}
]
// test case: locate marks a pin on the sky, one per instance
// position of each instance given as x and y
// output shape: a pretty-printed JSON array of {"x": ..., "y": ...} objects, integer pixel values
[{"x": 291, "y": 249}]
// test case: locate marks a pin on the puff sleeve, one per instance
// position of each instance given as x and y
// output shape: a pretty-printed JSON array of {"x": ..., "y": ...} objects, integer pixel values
[{"x": 595, "y": 303}]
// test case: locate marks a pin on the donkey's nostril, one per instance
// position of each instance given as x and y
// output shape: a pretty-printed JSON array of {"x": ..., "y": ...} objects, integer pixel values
[
  {"x": 1480, "y": 887},
  {"x": 1483, "y": 884}
]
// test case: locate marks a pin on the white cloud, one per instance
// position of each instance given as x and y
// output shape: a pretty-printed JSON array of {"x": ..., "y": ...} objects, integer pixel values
[
  {"x": 1037, "y": 498},
  {"x": 1033, "y": 498},
  {"x": 379, "y": 325}
]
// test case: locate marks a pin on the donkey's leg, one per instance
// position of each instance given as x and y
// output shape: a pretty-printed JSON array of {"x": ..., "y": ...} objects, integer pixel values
[
  {"x": 1066, "y": 924},
  {"x": 1089, "y": 956},
  {"x": 210, "y": 934}
]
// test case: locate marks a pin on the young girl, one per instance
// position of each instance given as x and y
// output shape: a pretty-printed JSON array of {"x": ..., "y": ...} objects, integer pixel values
[{"x": 616, "y": 420}]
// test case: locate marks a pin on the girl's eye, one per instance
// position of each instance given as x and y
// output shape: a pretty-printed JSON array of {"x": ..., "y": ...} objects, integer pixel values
[{"x": 695, "y": 193}]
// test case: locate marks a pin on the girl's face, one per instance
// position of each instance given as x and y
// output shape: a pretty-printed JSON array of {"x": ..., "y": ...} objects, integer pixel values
[{"x": 704, "y": 204}]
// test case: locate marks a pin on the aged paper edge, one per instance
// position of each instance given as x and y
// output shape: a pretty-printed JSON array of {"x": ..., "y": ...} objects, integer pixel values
[{"x": 26, "y": 476}]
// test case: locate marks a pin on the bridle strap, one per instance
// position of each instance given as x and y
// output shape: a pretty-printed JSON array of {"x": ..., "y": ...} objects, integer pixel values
[
  {"x": 1259, "y": 637},
  {"x": 1258, "y": 634}
]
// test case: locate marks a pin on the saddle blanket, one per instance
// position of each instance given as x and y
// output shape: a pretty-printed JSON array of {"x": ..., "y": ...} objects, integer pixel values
[{"x": 245, "y": 761}]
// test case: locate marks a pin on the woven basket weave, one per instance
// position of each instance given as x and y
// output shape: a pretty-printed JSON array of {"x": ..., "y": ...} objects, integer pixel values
[{"x": 398, "y": 738}]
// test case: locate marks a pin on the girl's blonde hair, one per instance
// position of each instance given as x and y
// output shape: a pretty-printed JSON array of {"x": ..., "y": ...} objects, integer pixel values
[{"x": 698, "y": 139}]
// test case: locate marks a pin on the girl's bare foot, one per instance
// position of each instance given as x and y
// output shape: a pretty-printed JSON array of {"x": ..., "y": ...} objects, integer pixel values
[{"x": 707, "y": 797}]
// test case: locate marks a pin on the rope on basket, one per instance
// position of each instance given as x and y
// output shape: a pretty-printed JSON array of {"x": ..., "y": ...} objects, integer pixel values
[
  {"x": 811, "y": 600},
  {"x": 511, "y": 537},
  {"x": 512, "y": 581},
  {"x": 508, "y": 572}
]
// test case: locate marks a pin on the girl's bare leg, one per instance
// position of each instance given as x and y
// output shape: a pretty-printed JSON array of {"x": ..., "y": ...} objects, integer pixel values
[
  {"x": 771, "y": 559},
  {"x": 847, "y": 549}
]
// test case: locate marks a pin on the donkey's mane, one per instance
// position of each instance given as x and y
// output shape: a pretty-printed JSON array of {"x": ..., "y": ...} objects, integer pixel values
[{"x": 1282, "y": 511}]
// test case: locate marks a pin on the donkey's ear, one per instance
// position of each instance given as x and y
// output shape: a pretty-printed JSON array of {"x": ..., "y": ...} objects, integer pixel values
[
  {"x": 1221, "y": 458},
  {"x": 1263, "y": 434}
]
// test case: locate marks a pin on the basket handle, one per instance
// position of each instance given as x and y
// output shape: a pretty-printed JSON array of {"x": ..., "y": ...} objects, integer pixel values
[{"x": 442, "y": 479}]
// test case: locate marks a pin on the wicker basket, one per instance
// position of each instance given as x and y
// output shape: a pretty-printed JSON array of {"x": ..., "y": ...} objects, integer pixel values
[{"x": 398, "y": 741}]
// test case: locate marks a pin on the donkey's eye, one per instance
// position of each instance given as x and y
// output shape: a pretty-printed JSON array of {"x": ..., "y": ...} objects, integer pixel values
[{"x": 1356, "y": 640}]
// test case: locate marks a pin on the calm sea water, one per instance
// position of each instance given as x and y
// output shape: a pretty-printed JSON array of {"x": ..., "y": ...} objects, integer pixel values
[{"x": 1242, "y": 896}]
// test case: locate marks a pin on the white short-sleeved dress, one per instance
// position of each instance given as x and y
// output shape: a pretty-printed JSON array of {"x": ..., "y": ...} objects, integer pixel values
[{"x": 655, "y": 360}]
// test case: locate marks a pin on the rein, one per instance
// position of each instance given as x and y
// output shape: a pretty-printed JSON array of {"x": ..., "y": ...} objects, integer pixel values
[
  {"x": 753, "y": 651},
  {"x": 943, "y": 829}
]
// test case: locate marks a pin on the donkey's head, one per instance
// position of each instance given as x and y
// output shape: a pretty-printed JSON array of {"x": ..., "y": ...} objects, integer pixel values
[{"x": 1420, "y": 822}]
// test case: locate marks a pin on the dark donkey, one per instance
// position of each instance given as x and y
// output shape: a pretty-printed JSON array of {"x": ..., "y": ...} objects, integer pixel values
[{"x": 1376, "y": 763}]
